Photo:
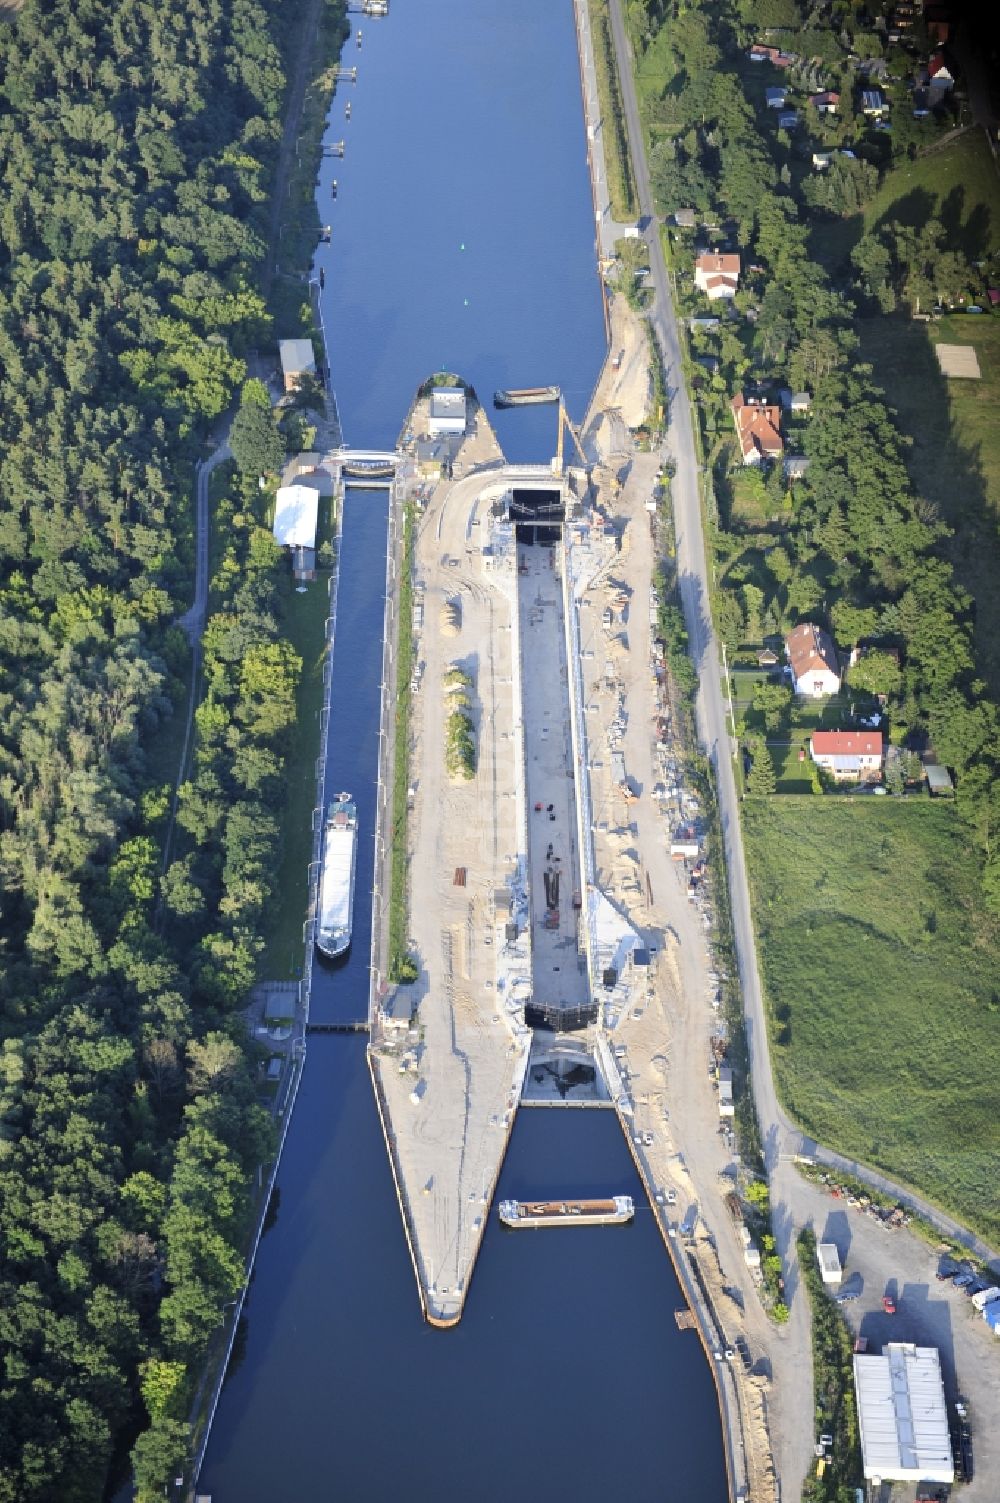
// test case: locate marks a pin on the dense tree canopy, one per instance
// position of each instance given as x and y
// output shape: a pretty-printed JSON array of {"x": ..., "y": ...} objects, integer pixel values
[
  {"x": 850, "y": 543},
  {"x": 137, "y": 138}
]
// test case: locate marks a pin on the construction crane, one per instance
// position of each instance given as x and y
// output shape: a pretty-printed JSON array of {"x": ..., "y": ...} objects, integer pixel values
[{"x": 566, "y": 426}]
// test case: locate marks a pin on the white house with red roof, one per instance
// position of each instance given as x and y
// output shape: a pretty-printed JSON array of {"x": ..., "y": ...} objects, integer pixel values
[
  {"x": 717, "y": 275},
  {"x": 812, "y": 658},
  {"x": 848, "y": 755},
  {"x": 758, "y": 429}
]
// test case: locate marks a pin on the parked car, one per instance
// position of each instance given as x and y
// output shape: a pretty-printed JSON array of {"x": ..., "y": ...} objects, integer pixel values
[{"x": 963, "y": 1280}]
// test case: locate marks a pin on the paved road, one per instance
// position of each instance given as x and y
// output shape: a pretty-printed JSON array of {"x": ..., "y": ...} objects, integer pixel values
[
  {"x": 192, "y": 623},
  {"x": 780, "y": 1141},
  {"x": 791, "y": 1199}
]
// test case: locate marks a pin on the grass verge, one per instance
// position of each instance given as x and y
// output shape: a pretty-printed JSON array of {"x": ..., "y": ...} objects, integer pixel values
[
  {"x": 401, "y": 967},
  {"x": 617, "y": 159},
  {"x": 833, "y": 1386},
  {"x": 880, "y": 969},
  {"x": 304, "y": 626}
]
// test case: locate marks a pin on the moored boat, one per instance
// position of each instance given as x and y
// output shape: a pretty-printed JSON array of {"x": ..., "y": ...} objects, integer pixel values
[
  {"x": 525, "y": 396},
  {"x": 336, "y": 888},
  {"x": 616, "y": 1210}
]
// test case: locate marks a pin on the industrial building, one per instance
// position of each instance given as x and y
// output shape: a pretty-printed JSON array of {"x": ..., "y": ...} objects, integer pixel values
[
  {"x": 902, "y": 1415},
  {"x": 447, "y": 411},
  {"x": 296, "y": 512}
]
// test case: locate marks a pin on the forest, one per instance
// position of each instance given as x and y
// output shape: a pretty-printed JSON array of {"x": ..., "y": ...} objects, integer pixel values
[
  {"x": 138, "y": 139},
  {"x": 848, "y": 543}
]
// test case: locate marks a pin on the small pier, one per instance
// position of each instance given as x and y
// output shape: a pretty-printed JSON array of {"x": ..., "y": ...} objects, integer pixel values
[
  {"x": 345, "y": 75},
  {"x": 334, "y": 149}
]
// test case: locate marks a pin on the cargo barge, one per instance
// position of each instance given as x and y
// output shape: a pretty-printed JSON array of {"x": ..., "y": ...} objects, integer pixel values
[
  {"x": 525, "y": 396},
  {"x": 615, "y": 1211},
  {"x": 336, "y": 890}
]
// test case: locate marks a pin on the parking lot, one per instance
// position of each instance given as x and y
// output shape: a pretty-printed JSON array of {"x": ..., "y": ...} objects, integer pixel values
[{"x": 880, "y": 1261}]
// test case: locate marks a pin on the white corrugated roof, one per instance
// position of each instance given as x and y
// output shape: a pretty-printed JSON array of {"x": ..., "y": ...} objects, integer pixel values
[
  {"x": 296, "y": 509},
  {"x": 447, "y": 401},
  {"x": 335, "y": 892},
  {"x": 902, "y": 1414}
]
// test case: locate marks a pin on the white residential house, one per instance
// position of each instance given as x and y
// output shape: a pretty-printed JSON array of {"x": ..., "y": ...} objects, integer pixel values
[
  {"x": 718, "y": 276},
  {"x": 850, "y": 756},
  {"x": 940, "y": 79},
  {"x": 758, "y": 428},
  {"x": 813, "y": 661}
]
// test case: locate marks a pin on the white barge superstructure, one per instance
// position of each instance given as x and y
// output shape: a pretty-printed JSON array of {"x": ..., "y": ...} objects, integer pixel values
[
  {"x": 336, "y": 888},
  {"x": 615, "y": 1211}
]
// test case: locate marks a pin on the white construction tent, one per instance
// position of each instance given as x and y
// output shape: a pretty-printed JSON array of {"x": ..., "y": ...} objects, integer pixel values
[
  {"x": 296, "y": 512},
  {"x": 903, "y": 1416}
]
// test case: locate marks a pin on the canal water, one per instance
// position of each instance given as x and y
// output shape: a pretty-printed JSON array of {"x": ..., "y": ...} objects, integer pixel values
[
  {"x": 567, "y": 1377},
  {"x": 340, "y": 987},
  {"x": 463, "y": 228}
]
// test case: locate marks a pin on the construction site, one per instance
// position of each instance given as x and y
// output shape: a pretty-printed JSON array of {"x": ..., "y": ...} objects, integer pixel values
[{"x": 557, "y": 940}]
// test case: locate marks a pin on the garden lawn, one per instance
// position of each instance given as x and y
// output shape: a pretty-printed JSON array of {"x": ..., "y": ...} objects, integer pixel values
[
  {"x": 957, "y": 184},
  {"x": 304, "y": 626},
  {"x": 881, "y": 972}
]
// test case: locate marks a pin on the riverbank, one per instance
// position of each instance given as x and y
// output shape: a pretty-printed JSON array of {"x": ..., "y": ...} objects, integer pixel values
[
  {"x": 335, "y": 1336},
  {"x": 322, "y": 32}
]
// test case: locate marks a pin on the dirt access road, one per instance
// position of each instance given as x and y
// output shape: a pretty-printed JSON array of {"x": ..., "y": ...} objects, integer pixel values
[{"x": 793, "y": 1201}]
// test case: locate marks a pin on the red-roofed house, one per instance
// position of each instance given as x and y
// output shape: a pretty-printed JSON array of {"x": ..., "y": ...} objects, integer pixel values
[
  {"x": 717, "y": 275},
  {"x": 856, "y": 755},
  {"x": 940, "y": 79},
  {"x": 761, "y": 54},
  {"x": 758, "y": 428},
  {"x": 813, "y": 660},
  {"x": 826, "y": 103}
]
